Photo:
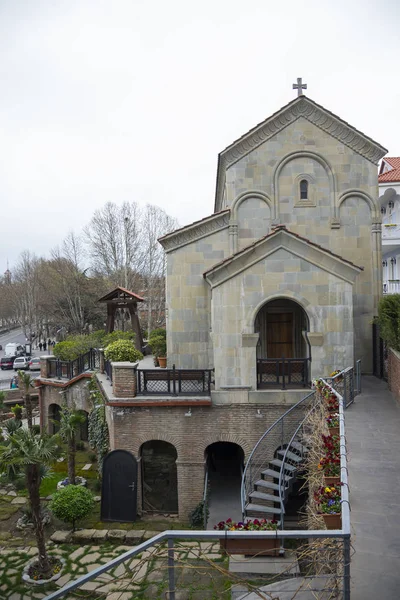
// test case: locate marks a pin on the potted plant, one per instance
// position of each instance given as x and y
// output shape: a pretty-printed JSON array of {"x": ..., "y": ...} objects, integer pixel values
[
  {"x": 159, "y": 349},
  {"x": 328, "y": 501},
  {"x": 249, "y": 546},
  {"x": 333, "y": 424}
]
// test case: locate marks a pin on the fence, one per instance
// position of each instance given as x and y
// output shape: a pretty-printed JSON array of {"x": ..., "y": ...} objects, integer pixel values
[
  {"x": 347, "y": 383},
  {"x": 282, "y": 372},
  {"x": 108, "y": 369},
  {"x": 174, "y": 382},
  {"x": 72, "y": 368}
]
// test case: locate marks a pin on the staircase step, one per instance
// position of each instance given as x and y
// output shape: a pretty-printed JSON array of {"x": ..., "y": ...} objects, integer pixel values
[
  {"x": 290, "y": 455},
  {"x": 299, "y": 447},
  {"x": 262, "y": 496},
  {"x": 278, "y": 463},
  {"x": 275, "y": 474},
  {"x": 268, "y": 485},
  {"x": 262, "y": 509}
]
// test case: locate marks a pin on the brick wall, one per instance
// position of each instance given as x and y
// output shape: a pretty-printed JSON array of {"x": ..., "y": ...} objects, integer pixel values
[
  {"x": 124, "y": 379},
  {"x": 130, "y": 427},
  {"x": 394, "y": 372}
]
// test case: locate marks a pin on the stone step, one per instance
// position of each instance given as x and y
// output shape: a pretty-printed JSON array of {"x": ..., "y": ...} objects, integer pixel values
[
  {"x": 268, "y": 485},
  {"x": 290, "y": 456},
  {"x": 275, "y": 474},
  {"x": 278, "y": 463},
  {"x": 267, "y": 510},
  {"x": 262, "y": 496}
]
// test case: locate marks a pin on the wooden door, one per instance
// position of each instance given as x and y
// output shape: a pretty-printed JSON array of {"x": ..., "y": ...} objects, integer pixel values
[
  {"x": 119, "y": 487},
  {"x": 280, "y": 335}
]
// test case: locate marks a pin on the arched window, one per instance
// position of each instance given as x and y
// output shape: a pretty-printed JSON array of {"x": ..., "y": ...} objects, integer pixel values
[{"x": 303, "y": 189}]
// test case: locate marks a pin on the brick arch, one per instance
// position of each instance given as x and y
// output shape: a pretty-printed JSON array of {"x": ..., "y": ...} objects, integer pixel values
[
  {"x": 175, "y": 441},
  {"x": 228, "y": 437}
]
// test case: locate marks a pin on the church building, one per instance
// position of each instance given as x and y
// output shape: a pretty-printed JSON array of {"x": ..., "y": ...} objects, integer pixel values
[{"x": 283, "y": 279}]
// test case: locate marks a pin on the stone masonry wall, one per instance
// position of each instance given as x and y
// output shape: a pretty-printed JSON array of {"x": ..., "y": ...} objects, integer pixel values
[
  {"x": 394, "y": 372},
  {"x": 56, "y": 393}
]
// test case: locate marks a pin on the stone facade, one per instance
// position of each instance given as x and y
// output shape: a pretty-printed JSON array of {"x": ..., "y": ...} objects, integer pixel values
[
  {"x": 258, "y": 182},
  {"x": 57, "y": 393}
]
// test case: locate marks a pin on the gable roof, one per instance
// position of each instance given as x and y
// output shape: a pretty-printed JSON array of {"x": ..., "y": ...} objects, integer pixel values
[
  {"x": 325, "y": 256},
  {"x": 195, "y": 231},
  {"x": 120, "y": 292},
  {"x": 392, "y": 164},
  {"x": 302, "y": 106}
]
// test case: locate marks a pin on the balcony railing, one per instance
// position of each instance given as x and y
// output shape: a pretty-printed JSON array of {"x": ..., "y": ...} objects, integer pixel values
[
  {"x": 283, "y": 372},
  {"x": 391, "y": 286},
  {"x": 390, "y": 230},
  {"x": 174, "y": 382},
  {"x": 67, "y": 369}
]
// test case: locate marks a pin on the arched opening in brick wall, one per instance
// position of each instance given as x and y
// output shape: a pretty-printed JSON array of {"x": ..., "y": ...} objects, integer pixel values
[
  {"x": 83, "y": 432},
  {"x": 54, "y": 418},
  {"x": 159, "y": 477},
  {"x": 225, "y": 462}
]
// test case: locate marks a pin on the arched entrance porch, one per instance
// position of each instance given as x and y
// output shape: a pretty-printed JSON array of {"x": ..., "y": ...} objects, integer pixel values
[
  {"x": 224, "y": 462},
  {"x": 283, "y": 352},
  {"x": 159, "y": 477}
]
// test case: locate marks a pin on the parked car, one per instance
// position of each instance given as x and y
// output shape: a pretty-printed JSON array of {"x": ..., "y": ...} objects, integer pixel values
[
  {"x": 21, "y": 362},
  {"x": 7, "y": 362},
  {"x": 34, "y": 364}
]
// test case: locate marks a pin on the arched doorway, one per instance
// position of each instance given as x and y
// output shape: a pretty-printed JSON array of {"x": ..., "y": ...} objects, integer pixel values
[
  {"x": 283, "y": 352},
  {"x": 54, "y": 418},
  {"x": 225, "y": 462},
  {"x": 159, "y": 477}
]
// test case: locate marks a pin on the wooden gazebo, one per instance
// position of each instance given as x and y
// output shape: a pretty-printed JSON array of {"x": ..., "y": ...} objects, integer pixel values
[{"x": 122, "y": 298}]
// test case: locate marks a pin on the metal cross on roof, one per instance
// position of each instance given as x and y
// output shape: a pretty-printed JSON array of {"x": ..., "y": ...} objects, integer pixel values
[{"x": 299, "y": 86}]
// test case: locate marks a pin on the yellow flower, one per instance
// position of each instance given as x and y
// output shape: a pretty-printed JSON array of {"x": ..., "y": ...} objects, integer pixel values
[
  {"x": 320, "y": 466},
  {"x": 327, "y": 489}
]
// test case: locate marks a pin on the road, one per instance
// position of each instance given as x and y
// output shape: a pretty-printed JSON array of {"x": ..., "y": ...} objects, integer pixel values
[{"x": 17, "y": 336}]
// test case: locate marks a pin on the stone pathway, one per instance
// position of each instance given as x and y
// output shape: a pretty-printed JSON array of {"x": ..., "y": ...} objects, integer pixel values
[{"x": 200, "y": 572}]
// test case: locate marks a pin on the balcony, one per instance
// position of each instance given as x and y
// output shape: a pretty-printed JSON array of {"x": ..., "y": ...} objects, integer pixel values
[
  {"x": 390, "y": 231},
  {"x": 391, "y": 286}
]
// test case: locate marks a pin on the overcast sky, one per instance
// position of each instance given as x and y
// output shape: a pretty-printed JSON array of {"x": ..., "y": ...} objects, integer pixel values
[{"x": 133, "y": 99}]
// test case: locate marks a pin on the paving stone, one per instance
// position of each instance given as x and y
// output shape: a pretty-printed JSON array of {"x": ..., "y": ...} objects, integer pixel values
[
  {"x": 12, "y": 493},
  {"x": 49, "y": 497},
  {"x": 90, "y": 586},
  {"x": 76, "y": 554},
  {"x": 64, "y": 580},
  {"x": 88, "y": 558},
  {"x": 116, "y": 534},
  {"x": 83, "y": 534},
  {"x": 3, "y": 492},
  {"x": 213, "y": 556},
  {"x": 61, "y": 537},
  {"x": 19, "y": 500},
  {"x": 97, "y": 498},
  {"x": 100, "y": 534},
  {"x": 86, "y": 467},
  {"x": 149, "y": 534},
  {"x": 93, "y": 566},
  {"x": 134, "y": 537},
  {"x": 119, "y": 571}
]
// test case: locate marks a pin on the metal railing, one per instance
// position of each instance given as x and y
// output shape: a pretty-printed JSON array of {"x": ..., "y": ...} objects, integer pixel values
[
  {"x": 108, "y": 369},
  {"x": 347, "y": 383},
  {"x": 174, "y": 382},
  {"x": 67, "y": 369},
  {"x": 392, "y": 286},
  {"x": 275, "y": 438},
  {"x": 283, "y": 372}
]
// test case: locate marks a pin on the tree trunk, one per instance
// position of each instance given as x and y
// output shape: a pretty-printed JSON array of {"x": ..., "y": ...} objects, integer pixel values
[
  {"x": 28, "y": 406},
  {"x": 71, "y": 460},
  {"x": 33, "y": 485}
]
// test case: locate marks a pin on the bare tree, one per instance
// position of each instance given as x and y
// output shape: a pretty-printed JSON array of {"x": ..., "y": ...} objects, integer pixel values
[{"x": 25, "y": 291}]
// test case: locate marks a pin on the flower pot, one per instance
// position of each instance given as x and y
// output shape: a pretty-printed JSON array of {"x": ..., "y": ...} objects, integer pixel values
[
  {"x": 251, "y": 547},
  {"x": 334, "y": 431},
  {"x": 162, "y": 361},
  {"x": 332, "y": 521},
  {"x": 333, "y": 480}
]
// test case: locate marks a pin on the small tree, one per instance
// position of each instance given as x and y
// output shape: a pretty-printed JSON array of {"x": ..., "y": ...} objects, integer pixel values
[
  {"x": 70, "y": 422},
  {"x": 17, "y": 412},
  {"x": 122, "y": 350},
  {"x": 71, "y": 504},
  {"x": 30, "y": 452},
  {"x": 27, "y": 382}
]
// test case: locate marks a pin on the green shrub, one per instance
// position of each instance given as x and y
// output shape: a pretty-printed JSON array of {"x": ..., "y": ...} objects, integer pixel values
[
  {"x": 72, "y": 503},
  {"x": 196, "y": 517},
  {"x": 160, "y": 331},
  {"x": 92, "y": 457},
  {"x": 121, "y": 351},
  {"x": 36, "y": 429},
  {"x": 17, "y": 412},
  {"x": 389, "y": 320},
  {"x": 114, "y": 336},
  {"x": 158, "y": 345},
  {"x": 80, "y": 445},
  {"x": 67, "y": 350}
]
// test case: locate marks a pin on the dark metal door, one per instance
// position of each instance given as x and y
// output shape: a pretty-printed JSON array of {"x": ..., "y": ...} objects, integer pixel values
[{"x": 119, "y": 487}]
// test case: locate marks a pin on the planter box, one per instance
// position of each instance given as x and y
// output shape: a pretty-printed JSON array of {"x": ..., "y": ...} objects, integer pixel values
[
  {"x": 333, "y": 521},
  {"x": 331, "y": 480},
  {"x": 251, "y": 547},
  {"x": 333, "y": 430}
]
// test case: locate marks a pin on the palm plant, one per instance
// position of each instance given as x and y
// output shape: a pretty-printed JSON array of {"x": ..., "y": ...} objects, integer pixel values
[
  {"x": 27, "y": 382},
  {"x": 30, "y": 452},
  {"x": 70, "y": 422}
]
